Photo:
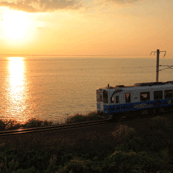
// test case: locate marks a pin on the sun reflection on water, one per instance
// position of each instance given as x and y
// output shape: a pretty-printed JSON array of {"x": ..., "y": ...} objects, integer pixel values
[{"x": 16, "y": 88}]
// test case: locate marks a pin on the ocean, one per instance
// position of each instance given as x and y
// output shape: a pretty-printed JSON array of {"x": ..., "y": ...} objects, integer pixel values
[{"x": 54, "y": 88}]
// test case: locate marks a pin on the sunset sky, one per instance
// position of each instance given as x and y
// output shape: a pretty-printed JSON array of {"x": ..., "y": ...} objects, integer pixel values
[{"x": 86, "y": 27}]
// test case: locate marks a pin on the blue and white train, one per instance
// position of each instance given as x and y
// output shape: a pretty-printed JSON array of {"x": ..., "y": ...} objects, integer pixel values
[{"x": 144, "y": 98}]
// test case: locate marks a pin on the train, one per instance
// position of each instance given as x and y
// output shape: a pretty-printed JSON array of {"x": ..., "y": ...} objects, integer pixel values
[{"x": 140, "y": 98}]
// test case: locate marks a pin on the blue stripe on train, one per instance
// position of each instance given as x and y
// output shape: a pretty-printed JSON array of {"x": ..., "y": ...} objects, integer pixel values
[{"x": 109, "y": 109}]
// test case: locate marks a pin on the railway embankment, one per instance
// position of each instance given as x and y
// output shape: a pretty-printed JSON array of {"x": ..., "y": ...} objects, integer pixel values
[{"x": 136, "y": 145}]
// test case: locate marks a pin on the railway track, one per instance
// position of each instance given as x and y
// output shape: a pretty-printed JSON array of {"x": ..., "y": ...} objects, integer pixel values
[
  {"x": 76, "y": 125},
  {"x": 52, "y": 128}
]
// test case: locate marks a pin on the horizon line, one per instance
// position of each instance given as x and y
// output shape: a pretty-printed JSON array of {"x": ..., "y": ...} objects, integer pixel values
[{"x": 71, "y": 55}]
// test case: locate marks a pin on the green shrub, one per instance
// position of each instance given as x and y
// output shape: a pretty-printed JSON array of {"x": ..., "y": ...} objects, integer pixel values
[
  {"x": 47, "y": 123},
  {"x": 131, "y": 161},
  {"x": 136, "y": 144},
  {"x": 12, "y": 125},
  {"x": 33, "y": 123},
  {"x": 160, "y": 123},
  {"x": 52, "y": 164},
  {"x": 9, "y": 125},
  {"x": 159, "y": 135},
  {"x": 75, "y": 118},
  {"x": 8, "y": 166},
  {"x": 2, "y": 125},
  {"x": 81, "y": 118},
  {"x": 74, "y": 166},
  {"x": 165, "y": 158},
  {"x": 92, "y": 116},
  {"x": 29, "y": 170},
  {"x": 36, "y": 123},
  {"x": 124, "y": 133}
]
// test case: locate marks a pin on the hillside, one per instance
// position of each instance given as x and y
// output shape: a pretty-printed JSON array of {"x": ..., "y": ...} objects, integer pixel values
[{"x": 140, "y": 145}]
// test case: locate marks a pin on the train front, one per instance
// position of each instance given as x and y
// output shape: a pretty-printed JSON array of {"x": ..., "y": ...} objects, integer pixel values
[{"x": 102, "y": 98}]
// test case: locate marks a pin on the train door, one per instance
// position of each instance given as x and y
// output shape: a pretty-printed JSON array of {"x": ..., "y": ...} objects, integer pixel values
[
  {"x": 117, "y": 99},
  {"x": 127, "y": 97}
]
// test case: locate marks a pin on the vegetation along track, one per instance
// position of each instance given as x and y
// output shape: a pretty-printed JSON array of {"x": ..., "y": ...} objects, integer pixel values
[
  {"x": 52, "y": 128},
  {"x": 77, "y": 125}
]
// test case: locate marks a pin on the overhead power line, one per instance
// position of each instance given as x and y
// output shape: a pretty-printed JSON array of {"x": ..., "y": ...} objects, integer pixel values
[{"x": 157, "y": 63}]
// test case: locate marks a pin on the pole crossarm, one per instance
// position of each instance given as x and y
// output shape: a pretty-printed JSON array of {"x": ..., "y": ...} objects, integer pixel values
[
  {"x": 164, "y": 53},
  {"x": 154, "y": 52}
]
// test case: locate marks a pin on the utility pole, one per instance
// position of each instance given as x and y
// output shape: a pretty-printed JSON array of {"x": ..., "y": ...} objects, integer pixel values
[{"x": 157, "y": 62}]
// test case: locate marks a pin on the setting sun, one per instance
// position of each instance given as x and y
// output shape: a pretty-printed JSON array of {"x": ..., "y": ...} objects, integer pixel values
[{"x": 15, "y": 25}]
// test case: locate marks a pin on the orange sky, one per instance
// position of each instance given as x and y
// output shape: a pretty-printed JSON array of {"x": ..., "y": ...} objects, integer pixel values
[{"x": 86, "y": 27}]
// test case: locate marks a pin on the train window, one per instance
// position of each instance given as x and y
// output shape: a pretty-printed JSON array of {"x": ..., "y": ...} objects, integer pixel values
[
  {"x": 158, "y": 95},
  {"x": 144, "y": 96},
  {"x": 105, "y": 96},
  {"x": 117, "y": 99},
  {"x": 99, "y": 96},
  {"x": 112, "y": 99},
  {"x": 127, "y": 97},
  {"x": 168, "y": 94}
]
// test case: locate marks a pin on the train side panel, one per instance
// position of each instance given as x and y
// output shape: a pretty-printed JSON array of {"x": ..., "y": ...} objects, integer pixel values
[
  {"x": 128, "y": 99},
  {"x": 127, "y": 107}
]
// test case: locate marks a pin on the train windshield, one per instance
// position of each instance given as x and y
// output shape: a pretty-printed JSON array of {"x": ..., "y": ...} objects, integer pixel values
[
  {"x": 99, "y": 95},
  {"x": 102, "y": 96},
  {"x": 105, "y": 96}
]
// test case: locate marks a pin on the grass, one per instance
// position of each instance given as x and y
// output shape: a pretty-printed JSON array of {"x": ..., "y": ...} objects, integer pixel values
[{"x": 142, "y": 146}]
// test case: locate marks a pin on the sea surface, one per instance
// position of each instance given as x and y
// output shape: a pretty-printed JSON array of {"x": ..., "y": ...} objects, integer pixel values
[{"x": 54, "y": 88}]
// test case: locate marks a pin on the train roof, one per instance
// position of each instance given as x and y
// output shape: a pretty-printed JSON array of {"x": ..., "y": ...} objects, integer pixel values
[{"x": 150, "y": 84}]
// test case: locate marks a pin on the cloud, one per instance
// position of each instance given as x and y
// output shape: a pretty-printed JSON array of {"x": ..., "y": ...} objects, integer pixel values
[
  {"x": 122, "y": 1},
  {"x": 117, "y": 2},
  {"x": 38, "y": 27},
  {"x": 1, "y": 17},
  {"x": 34, "y": 6}
]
